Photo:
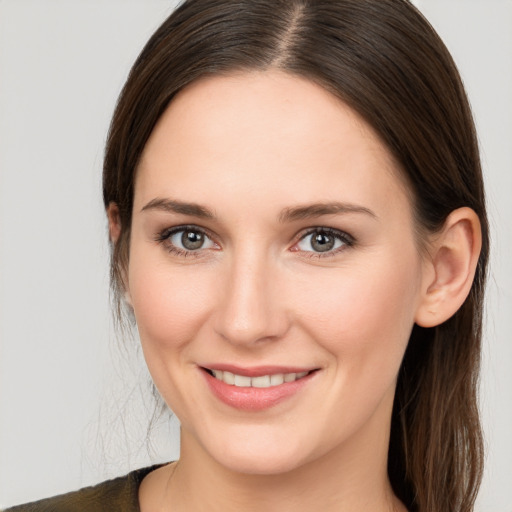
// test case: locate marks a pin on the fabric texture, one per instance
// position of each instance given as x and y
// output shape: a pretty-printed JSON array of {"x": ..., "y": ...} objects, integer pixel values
[{"x": 117, "y": 495}]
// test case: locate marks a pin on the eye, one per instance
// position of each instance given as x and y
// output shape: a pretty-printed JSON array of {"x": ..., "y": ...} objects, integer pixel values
[
  {"x": 324, "y": 240},
  {"x": 186, "y": 239}
]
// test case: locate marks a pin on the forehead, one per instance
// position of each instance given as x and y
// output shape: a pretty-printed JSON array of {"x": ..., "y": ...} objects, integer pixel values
[{"x": 267, "y": 134}]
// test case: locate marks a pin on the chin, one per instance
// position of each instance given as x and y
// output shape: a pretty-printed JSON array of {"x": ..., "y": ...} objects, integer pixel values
[
  {"x": 264, "y": 464},
  {"x": 266, "y": 457}
]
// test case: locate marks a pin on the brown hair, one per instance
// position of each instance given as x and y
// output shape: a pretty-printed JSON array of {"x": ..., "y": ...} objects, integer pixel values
[{"x": 382, "y": 58}]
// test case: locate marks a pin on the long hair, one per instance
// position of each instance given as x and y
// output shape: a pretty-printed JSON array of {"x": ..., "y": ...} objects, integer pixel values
[{"x": 384, "y": 60}]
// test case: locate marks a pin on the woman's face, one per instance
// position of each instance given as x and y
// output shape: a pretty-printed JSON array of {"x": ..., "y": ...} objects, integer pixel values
[{"x": 273, "y": 272}]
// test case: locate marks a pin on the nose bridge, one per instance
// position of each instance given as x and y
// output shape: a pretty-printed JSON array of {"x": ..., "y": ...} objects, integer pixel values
[{"x": 250, "y": 310}]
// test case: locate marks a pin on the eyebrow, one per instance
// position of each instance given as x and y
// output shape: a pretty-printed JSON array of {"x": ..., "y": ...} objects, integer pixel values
[
  {"x": 173, "y": 206},
  {"x": 295, "y": 213},
  {"x": 318, "y": 209}
]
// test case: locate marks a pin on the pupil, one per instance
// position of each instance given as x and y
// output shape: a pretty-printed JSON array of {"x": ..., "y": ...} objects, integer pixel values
[
  {"x": 322, "y": 242},
  {"x": 192, "y": 240}
]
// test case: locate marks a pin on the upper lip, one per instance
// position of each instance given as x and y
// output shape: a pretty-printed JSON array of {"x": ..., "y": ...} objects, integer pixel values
[{"x": 257, "y": 371}]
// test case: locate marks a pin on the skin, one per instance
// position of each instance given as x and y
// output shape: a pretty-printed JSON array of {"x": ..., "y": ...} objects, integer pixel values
[{"x": 248, "y": 147}]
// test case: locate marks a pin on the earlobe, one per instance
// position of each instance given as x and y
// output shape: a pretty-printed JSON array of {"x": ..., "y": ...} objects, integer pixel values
[
  {"x": 128, "y": 298},
  {"x": 449, "y": 273},
  {"x": 114, "y": 222}
]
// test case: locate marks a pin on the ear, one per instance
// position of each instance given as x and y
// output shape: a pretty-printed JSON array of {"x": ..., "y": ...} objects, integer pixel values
[
  {"x": 450, "y": 267},
  {"x": 114, "y": 229},
  {"x": 114, "y": 222}
]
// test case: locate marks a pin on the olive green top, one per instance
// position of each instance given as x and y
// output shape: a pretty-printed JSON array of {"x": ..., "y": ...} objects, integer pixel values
[{"x": 117, "y": 495}]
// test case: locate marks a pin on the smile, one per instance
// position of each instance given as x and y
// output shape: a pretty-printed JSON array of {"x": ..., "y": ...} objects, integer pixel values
[
  {"x": 261, "y": 381},
  {"x": 256, "y": 389}
]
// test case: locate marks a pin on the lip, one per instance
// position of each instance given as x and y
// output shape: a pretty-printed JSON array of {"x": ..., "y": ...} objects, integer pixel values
[
  {"x": 251, "y": 398},
  {"x": 257, "y": 371}
]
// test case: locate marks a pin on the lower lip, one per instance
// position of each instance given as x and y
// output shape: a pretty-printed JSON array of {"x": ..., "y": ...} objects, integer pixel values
[{"x": 254, "y": 399}]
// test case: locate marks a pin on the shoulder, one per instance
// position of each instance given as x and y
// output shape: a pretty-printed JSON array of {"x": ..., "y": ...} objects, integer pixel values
[{"x": 117, "y": 495}]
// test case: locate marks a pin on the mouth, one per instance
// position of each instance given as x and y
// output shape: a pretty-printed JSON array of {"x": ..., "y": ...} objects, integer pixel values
[
  {"x": 260, "y": 381},
  {"x": 257, "y": 389}
]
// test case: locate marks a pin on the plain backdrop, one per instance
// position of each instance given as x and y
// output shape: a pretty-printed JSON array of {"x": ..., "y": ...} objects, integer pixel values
[{"x": 62, "y": 390}]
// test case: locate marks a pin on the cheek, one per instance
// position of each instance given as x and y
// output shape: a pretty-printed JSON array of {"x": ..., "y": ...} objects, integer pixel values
[
  {"x": 363, "y": 317},
  {"x": 170, "y": 308},
  {"x": 170, "y": 304}
]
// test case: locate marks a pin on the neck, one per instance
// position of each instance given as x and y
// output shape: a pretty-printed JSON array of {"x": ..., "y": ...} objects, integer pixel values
[
  {"x": 352, "y": 477},
  {"x": 319, "y": 485}
]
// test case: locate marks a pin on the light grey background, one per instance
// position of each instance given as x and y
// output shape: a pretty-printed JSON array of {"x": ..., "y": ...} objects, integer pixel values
[{"x": 62, "y": 64}]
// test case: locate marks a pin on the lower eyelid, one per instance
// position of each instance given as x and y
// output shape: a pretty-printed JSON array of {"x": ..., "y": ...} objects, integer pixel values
[
  {"x": 163, "y": 237},
  {"x": 207, "y": 239},
  {"x": 343, "y": 237}
]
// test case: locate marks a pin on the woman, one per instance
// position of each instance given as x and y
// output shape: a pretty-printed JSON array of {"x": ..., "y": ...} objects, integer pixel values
[{"x": 298, "y": 223}]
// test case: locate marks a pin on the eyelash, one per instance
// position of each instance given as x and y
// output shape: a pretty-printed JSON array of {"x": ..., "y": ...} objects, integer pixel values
[
  {"x": 164, "y": 238},
  {"x": 347, "y": 240}
]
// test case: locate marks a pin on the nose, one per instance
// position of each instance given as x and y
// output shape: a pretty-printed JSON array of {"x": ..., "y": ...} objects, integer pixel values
[{"x": 251, "y": 307}]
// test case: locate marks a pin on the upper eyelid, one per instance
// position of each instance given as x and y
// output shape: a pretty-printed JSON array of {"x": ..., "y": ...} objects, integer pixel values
[
  {"x": 163, "y": 236},
  {"x": 191, "y": 227},
  {"x": 347, "y": 240},
  {"x": 301, "y": 233},
  {"x": 329, "y": 230},
  {"x": 165, "y": 233}
]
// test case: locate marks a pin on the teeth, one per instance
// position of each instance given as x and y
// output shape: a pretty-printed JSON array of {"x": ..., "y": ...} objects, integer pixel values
[
  {"x": 276, "y": 380},
  {"x": 242, "y": 382},
  {"x": 263, "y": 381},
  {"x": 228, "y": 378}
]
